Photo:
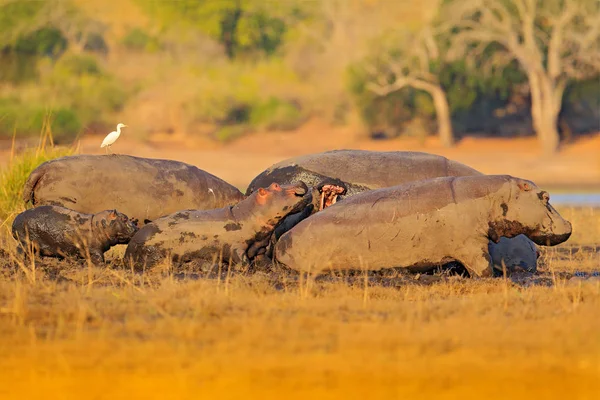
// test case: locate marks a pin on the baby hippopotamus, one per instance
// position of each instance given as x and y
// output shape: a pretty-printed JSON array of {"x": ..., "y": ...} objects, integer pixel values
[
  {"x": 238, "y": 233},
  {"x": 60, "y": 232}
]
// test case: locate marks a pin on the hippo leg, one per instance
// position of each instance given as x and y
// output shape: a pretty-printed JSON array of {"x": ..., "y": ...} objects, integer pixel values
[
  {"x": 257, "y": 248},
  {"x": 238, "y": 255},
  {"x": 478, "y": 263},
  {"x": 97, "y": 257}
]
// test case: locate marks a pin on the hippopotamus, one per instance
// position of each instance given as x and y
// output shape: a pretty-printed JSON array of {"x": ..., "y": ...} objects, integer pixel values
[
  {"x": 360, "y": 170},
  {"x": 423, "y": 224},
  {"x": 56, "y": 231},
  {"x": 343, "y": 173},
  {"x": 237, "y": 233},
  {"x": 142, "y": 188},
  {"x": 515, "y": 253}
]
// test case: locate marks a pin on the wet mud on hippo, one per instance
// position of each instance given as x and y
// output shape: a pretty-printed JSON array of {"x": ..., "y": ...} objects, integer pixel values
[
  {"x": 55, "y": 231},
  {"x": 141, "y": 188},
  {"x": 340, "y": 174},
  {"x": 238, "y": 233},
  {"x": 422, "y": 225}
]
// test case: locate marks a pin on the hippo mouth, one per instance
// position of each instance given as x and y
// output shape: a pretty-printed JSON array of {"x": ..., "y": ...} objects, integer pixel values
[
  {"x": 329, "y": 195},
  {"x": 549, "y": 240}
]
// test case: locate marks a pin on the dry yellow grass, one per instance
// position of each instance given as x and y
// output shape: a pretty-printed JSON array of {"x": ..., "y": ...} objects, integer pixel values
[{"x": 75, "y": 333}]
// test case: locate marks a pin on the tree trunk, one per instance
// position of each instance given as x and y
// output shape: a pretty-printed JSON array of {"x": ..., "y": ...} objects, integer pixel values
[
  {"x": 546, "y": 102},
  {"x": 442, "y": 112}
]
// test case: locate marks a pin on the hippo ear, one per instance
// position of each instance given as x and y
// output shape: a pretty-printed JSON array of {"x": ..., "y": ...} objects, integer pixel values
[
  {"x": 524, "y": 186},
  {"x": 112, "y": 214}
]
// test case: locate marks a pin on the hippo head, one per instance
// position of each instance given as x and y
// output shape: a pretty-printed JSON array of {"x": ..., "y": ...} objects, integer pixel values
[
  {"x": 326, "y": 193},
  {"x": 116, "y": 226},
  {"x": 527, "y": 210},
  {"x": 275, "y": 202}
]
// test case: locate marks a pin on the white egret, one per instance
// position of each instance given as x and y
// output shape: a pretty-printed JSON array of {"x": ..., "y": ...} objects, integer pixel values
[{"x": 112, "y": 137}]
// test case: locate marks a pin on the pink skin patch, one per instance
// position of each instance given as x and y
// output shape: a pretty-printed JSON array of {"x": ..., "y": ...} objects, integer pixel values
[{"x": 329, "y": 194}]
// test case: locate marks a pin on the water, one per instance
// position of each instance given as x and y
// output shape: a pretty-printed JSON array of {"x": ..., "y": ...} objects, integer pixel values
[{"x": 576, "y": 199}]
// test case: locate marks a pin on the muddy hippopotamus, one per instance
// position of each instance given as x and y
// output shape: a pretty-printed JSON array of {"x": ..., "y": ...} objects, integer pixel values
[
  {"x": 141, "y": 188},
  {"x": 423, "y": 224},
  {"x": 236, "y": 233},
  {"x": 344, "y": 173},
  {"x": 360, "y": 170},
  {"x": 59, "y": 232}
]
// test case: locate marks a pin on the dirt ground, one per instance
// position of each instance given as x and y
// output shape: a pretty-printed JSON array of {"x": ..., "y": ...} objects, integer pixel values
[
  {"x": 576, "y": 166},
  {"x": 72, "y": 331},
  {"x": 75, "y": 331}
]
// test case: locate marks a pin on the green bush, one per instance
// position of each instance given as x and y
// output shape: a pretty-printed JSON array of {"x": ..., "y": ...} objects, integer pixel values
[
  {"x": 77, "y": 65},
  {"x": 24, "y": 120},
  {"x": 13, "y": 177},
  {"x": 85, "y": 88},
  {"x": 276, "y": 114},
  {"x": 138, "y": 40}
]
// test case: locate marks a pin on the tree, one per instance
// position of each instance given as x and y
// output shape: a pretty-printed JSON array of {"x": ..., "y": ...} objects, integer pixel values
[
  {"x": 414, "y": 60},
  {"x": 554, "y": 42},
  {"x": 240, "y": 26},
  {"x": 20, "y": 19}
]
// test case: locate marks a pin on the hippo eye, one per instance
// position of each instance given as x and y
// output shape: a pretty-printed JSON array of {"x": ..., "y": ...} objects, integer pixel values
[{"x": 544, "y": 196}]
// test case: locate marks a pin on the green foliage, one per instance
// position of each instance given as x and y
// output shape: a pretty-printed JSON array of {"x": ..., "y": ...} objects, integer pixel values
[
  {"x": 138, "y": 40},
  {"x": 84, "y": 87},
  {"x": 77, "y": 65},
  {"x": 25, "y": 119},
  {"x": 51, "y": 59},
  {"x": 241, "y": 26},
  {"x": 276, "y": 114},
  {"x": 17, "y": 68},
  {"x": 46, "y": 41},
  {"x": 379, "y": 112},
  {"x": 16, "y": 17},
  {"x": 13, "y": 177}
]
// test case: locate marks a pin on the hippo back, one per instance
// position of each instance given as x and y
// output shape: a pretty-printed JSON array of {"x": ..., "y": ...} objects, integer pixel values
[
  {"x": 141, "y": 188},
  {"x": 361, "y": 170}
]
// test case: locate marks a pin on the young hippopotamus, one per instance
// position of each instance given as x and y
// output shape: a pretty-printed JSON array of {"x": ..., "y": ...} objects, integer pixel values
[
  {"x": 238, "y": 233},
  {"x": 423, "y": 224},
  {"x": 59, "y": 232},
  {"x": 142, "y": 188}
]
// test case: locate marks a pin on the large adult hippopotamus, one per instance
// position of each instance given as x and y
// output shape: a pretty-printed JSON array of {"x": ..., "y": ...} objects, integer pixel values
[
  {"x": 343, "y": 173},
  {"x": 238, "y": 233},
  {"x": 141, "y": 188},
  {"x": 361, "y": 170},
  {"x": 422, "y": 225}
]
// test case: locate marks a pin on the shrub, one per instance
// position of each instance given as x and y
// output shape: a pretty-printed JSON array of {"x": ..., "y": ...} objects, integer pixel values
[
  {"x": 276, "y": 114},
  {"x": 86, "y": 89},
  {"x": 23, "y": 119},
  {"x": 13, "y": 177},
  {"x": 138, "y": 40}
]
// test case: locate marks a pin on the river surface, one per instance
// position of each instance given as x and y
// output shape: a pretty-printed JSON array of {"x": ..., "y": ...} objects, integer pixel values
[{"x": 576, "y": 199}]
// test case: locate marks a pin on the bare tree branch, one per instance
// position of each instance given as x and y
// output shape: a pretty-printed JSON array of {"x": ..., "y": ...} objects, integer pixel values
[{"x": 553, "y": 41}]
